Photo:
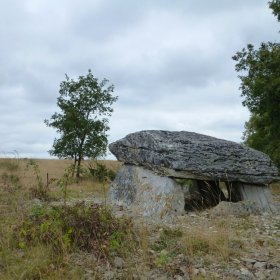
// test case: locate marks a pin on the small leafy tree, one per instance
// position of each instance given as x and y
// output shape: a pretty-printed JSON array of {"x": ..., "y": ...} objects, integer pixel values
[
  {"x": 260, "y": 85},
  {"x": 84, "y": 105}
]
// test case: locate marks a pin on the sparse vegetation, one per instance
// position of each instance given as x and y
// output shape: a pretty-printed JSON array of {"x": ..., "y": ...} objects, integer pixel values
[
  {"x": 70, "y": 236},
  {"x": 70, "y": 228},
  {"x": 100, "y": 172}
]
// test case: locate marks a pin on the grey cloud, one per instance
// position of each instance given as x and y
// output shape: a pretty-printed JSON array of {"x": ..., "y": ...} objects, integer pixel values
[{"x": 170, "y": 62}]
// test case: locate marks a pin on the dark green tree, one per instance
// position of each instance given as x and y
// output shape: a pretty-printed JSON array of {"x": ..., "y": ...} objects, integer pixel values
[
  {"x": 82, "y": 122},
  {"x": 260, "y": 86}
]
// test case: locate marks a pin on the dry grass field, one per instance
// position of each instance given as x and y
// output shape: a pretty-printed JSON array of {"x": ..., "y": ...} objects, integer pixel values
[
  {"x": 49, "y": 170},
  {"x": 42, "y": 237}
]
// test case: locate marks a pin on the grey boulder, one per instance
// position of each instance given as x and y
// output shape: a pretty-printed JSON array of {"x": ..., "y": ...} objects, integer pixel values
[
  {"x": 146, "y": 193},
  {"x": 183, "y": 154}
]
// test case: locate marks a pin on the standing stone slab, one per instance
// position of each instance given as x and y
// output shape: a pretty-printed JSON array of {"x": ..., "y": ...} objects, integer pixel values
[
  {"x": 260, "y": 195},
  {"x": 183, "y": 154},
  {"x": 146, "y": 193}
]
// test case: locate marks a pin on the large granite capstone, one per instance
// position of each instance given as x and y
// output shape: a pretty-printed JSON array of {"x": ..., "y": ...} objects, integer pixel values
[{"x": 195, "y": 156}]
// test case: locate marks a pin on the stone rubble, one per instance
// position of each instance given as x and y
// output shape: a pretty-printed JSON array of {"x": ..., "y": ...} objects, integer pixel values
[
  {"x": 257, "y": 241},
  {"x": 260, "y": 260}
]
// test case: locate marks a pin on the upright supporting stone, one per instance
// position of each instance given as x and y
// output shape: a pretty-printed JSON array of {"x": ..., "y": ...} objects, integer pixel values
[
  {"x": 259, "y": 194},
  {"x": 146, "y": 193},
  {"x": 233, "y": 192}
]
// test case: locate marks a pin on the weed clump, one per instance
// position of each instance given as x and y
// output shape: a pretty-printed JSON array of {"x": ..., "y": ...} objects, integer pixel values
[
  {"x": 168, "y": 239},
  {"x": 39, "y": 190},
  {"x": 101, "y": 173},
  {"x": 71, "y": 228}
]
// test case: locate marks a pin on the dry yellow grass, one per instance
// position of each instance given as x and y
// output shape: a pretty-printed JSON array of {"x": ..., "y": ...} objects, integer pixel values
[
  {"x": 50, "y": 170},
  {"x": 196, "y": 239},
  {"x": 275, "y": 188},
  {"x": 56, "y": 168},
  {"x": 37, "y": 262}
]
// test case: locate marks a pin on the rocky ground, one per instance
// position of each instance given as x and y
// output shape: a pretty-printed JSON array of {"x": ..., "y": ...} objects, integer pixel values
[
  {"x": 202, "y": 245},
  {"x": 211, "y": 244}
]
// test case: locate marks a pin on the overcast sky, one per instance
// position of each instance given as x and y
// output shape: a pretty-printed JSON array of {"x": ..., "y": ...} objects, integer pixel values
[{"x": 170, "y": 62}]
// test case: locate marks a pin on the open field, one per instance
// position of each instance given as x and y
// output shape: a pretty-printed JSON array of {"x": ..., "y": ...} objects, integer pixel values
[
  {"x": 49, "y": 170},
  {"x": 43, "y": 238}
]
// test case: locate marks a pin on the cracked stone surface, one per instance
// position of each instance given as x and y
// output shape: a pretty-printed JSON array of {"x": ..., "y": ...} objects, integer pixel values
[
  {"x": 195, "y": 156},
  {"x": 146, "y": 193}
]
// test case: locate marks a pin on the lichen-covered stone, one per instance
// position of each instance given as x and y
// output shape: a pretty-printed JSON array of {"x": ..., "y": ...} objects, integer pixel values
[
  {"x": 195, "y": 156},
  {"x": 241, "y": 208},
  {"x": 146, "y": 193},
  {"x": 260, "y": 195}
]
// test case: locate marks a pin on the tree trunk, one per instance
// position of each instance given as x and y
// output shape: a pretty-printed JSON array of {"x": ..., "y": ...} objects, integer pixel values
[
  {"x": 80, "y": 156},
  {"x": 79, "y": 167},
  {"x": 74, "y": 166}
]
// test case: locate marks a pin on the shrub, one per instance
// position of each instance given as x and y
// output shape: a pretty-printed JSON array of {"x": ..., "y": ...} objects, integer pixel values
[
  {"x": 101, "y": 173},
  {"x": 39, "y": 190},
  {"x": 79, "y": 227}
]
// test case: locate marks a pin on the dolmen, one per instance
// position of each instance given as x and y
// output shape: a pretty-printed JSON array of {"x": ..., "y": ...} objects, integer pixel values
[{"x": 166, "y": 173}]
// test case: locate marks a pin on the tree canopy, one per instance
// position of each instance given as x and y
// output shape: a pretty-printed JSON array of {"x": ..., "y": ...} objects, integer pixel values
[
  {"x": 259, "y": 70},
  {"x": 82, "y": 122}
]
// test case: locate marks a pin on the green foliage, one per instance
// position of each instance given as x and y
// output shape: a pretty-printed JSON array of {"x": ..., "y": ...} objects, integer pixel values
[
  {"x": 275, "y": 6},
  {"x": 162, "y": 259},
  {"x": 167, "y": 247},
  {"x": 116, "y": 240},
  {"x": 168, "y": 239},
  {"x": 184, "y": 182},
  {"x": 64, "y": 181},
  {"x": 260, "y": 86},
  {"x": 39, "y": 190},
  {"x": 82, "y": 122},
  {"x": 71, "y": 228},
  {"x": 101, "y": 173}
]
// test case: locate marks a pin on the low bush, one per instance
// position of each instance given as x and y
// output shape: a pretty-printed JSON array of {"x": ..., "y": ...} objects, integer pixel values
[
  {"x": 101, "y": 173},
  {"x": 71, "y": 228},
  {"x": 39, "y": 189}
]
